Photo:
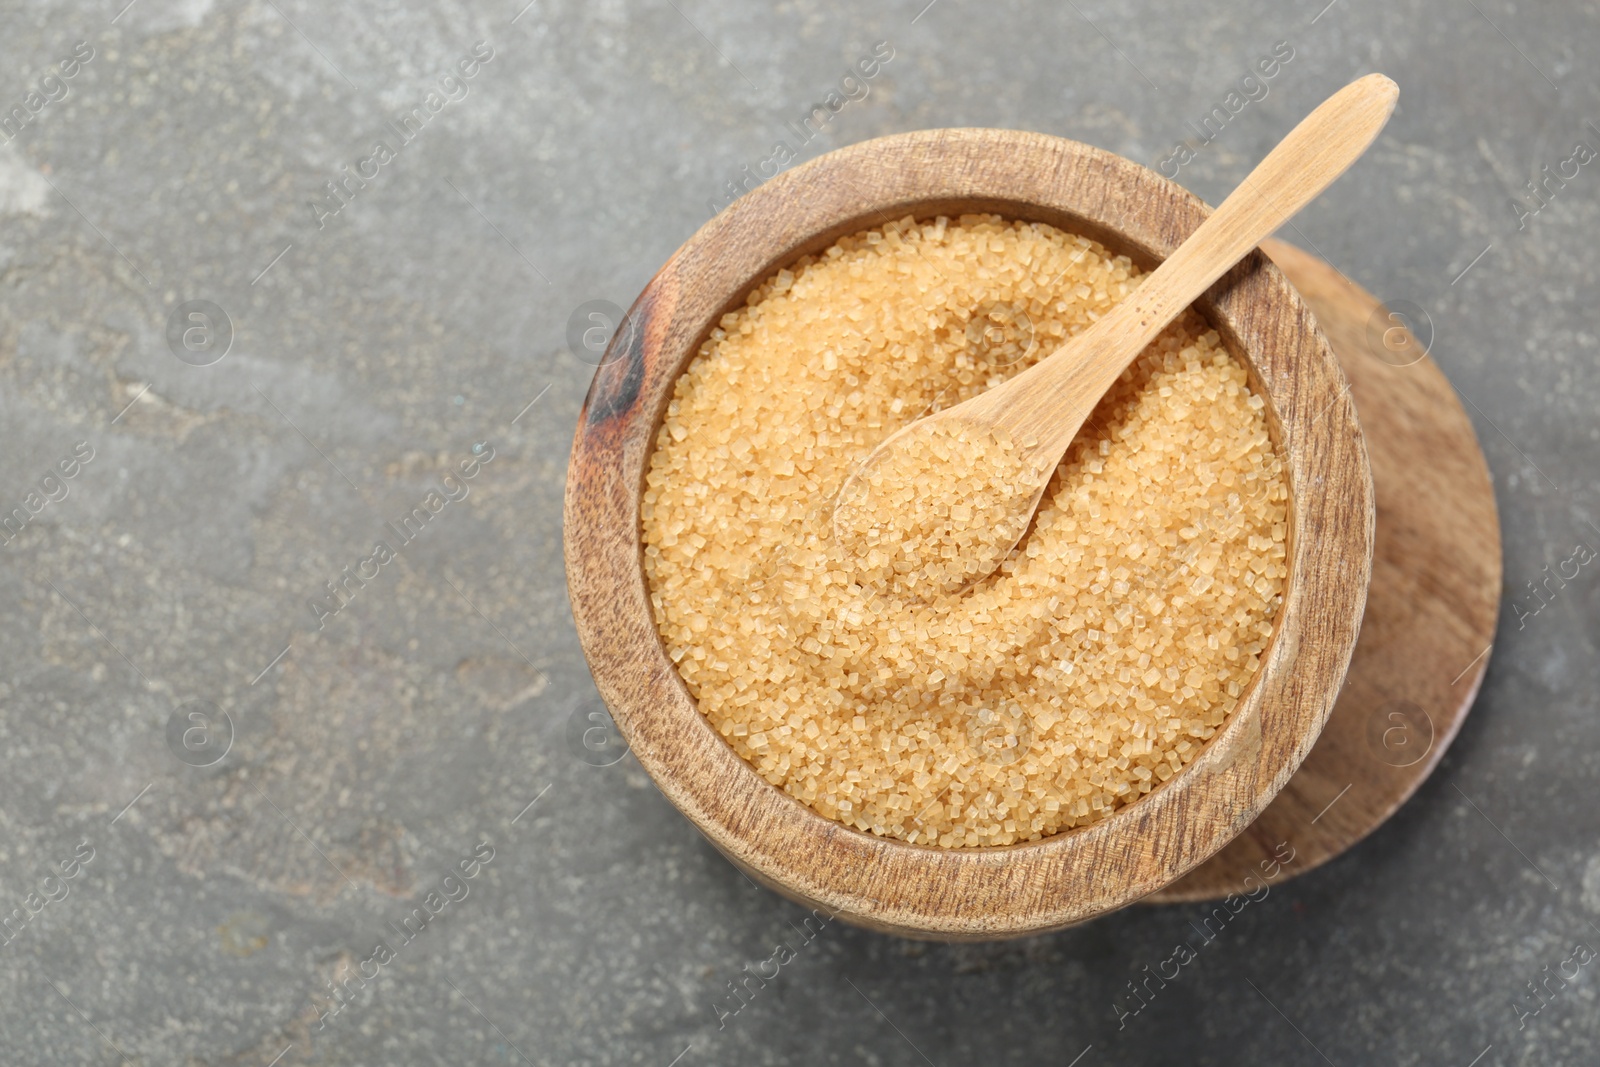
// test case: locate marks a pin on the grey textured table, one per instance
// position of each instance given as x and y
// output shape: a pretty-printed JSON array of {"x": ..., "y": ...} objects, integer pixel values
[{"x": 243, "y": 748}]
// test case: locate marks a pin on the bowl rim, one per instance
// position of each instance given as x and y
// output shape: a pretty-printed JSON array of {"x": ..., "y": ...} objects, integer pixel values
[{"x": 997, "y": 891}]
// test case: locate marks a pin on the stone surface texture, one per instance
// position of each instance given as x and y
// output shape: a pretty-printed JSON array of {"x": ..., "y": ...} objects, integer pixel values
[{"x": 268, "y": 789}]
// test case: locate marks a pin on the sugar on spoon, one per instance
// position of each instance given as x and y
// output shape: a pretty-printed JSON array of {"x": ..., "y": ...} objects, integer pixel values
[{"x": 940, "y": 503}]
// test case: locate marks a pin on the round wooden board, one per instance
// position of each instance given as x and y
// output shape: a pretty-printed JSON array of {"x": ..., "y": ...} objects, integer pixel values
[{"x": 1431, "y": 609}]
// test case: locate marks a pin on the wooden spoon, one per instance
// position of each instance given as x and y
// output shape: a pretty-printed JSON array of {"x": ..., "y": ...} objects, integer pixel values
[{"x": 940, "y": 503}]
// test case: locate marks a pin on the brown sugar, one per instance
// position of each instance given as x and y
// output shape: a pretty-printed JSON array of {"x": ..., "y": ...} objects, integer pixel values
[{"x": 1088, "y": 669}]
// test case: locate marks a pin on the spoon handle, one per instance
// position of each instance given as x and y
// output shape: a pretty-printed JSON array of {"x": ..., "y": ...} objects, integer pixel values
[{"x": 1034, "y": 404}]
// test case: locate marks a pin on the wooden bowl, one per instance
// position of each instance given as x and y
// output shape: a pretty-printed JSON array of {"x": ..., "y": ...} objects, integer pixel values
[{"x": 1037, "y": 886}]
